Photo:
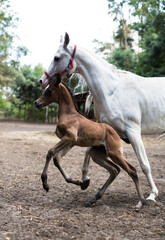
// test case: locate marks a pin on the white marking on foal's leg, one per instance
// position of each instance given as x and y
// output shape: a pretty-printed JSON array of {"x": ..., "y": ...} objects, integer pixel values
[
  {"x": 138, "y": 206},
  {"x": 85, "y": 166},
  {"x": 85, "y": 179}
]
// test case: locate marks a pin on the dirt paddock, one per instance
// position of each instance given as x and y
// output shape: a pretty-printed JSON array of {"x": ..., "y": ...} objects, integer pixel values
[{"x": 28, "y": 212}]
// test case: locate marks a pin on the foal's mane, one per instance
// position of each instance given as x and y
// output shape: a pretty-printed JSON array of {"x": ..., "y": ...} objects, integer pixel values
[{"x": 73, "y": 97}]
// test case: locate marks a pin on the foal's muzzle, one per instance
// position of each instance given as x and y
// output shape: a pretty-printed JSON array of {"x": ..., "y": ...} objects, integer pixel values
[{"x": 38, "y": 104}]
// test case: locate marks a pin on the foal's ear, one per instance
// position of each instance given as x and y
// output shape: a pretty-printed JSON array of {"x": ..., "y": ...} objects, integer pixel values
[
  {"x": 66, "y": 40},
  {"x": 58, "y": 79}
]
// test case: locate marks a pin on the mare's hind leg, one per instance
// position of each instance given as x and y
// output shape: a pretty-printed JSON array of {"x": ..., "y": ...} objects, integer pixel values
[
  {"x": 85, "y": 178},
  {"x": 99, "y": 156}
]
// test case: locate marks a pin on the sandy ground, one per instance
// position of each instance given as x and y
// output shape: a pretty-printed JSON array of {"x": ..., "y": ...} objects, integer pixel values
[{"x": 28, "y": 212}]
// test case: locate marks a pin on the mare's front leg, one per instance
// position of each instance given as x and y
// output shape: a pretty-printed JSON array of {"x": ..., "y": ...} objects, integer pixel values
[
  {"x": 64, "y": 146},
  {"x": 135, "y": 139}
]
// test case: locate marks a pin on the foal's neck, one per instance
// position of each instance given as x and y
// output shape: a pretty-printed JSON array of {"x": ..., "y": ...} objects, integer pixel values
[{"x": 66, "y": 103}]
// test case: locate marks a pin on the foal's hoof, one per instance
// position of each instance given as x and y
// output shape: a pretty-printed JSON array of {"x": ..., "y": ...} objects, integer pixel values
[
  {"x": 46, "y": 187},
  {"x": 85, "y": 184},
  {"x": 138, "y": 206},
  {"x": 93, "y": 202}
]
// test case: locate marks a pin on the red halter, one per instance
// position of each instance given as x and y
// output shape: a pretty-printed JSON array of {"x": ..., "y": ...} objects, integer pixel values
[{"x": 70, "y": 66}]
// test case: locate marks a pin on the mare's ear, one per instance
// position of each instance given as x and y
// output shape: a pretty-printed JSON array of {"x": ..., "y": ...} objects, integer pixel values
[
  {"x": 58, "y": 79},
  {"x": 66, "y": 40},
  {"x": 61, "y": 39}
]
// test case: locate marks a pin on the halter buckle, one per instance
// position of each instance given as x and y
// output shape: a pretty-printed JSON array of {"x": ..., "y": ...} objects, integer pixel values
[{"x": 70, "y": 66}]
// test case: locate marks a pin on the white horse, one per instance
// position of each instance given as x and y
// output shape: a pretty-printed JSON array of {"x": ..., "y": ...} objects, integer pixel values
[{"x": 131, "y": 104}]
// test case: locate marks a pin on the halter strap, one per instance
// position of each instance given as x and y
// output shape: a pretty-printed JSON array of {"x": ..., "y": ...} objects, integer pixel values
[
  {"x": 48, "y": 76},
  {"x": 70, "y": 66},
  {"x": 74, "y": 51}
]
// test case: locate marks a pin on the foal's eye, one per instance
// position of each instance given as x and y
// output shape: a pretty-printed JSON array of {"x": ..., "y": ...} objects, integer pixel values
[
  {"x": 56, "y": 59},
  {"x": 48, "y": 92}
]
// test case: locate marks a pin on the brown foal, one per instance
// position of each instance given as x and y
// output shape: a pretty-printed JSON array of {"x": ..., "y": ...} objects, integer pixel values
[{"x": 74, "y": 129}]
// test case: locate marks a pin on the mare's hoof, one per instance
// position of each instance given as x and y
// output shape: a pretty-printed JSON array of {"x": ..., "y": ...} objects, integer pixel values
[
  {"x": 85, "y": 184},
  {"x": 151, "y": 203}
]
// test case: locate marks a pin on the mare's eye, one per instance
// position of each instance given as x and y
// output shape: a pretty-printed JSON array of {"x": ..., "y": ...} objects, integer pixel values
[{"x": 56, "y": 59}]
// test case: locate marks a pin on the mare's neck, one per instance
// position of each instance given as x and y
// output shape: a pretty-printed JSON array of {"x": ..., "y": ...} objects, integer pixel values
[
  {"x": 97, "y": 73},
  {"x": 66, "y": 104}
]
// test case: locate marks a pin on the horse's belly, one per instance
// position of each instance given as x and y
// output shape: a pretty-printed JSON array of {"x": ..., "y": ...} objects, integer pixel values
[{"x": 89, "y": 143}]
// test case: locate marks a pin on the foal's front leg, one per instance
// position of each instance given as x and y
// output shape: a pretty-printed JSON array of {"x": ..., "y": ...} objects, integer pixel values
[
  {"x": 67, "y": 178},
  {"x": 64, "y": 146}
]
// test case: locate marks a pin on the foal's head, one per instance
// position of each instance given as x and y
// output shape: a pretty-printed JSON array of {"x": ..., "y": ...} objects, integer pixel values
[{"x": 50, "y": 94}]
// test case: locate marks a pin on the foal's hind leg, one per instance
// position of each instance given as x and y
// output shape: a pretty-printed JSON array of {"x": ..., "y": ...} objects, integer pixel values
[
  {"x": 99, "y": 156},
  {"x": 85, "y": 178},
  {"x": 118, "y": 158}
]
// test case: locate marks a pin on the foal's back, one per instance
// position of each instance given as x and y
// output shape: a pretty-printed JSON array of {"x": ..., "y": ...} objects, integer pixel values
[{"x": 90, "y": 133}]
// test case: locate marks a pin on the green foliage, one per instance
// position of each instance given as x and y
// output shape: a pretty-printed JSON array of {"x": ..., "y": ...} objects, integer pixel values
[
  {"x": 6, "y": 74},
  {"x": 20, "y": 51},
  {"x": 26, "y": 86},
  {"x": 115, "y": 8},
  {"x": 103, "y": 47},
  {"x": 150, "y": 26},
  {"x": 19, "y": 86},
  {"x": 26, "y": 90},
  {"x": 123, "y": 56},
  {"x": 3, "y": 103},
  {"x": 7, "y": 23},
  {"x": 5, "y": 106},
  {"x": 124, "y": 59},
  {"x": 123, "y": 35},
  {"x": 151, "y": 61}
]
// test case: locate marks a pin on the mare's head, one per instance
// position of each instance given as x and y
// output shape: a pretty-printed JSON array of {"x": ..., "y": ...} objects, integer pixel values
[
  {"x": 50, "y": 94},
  {"x": 63, "y": 62}
]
